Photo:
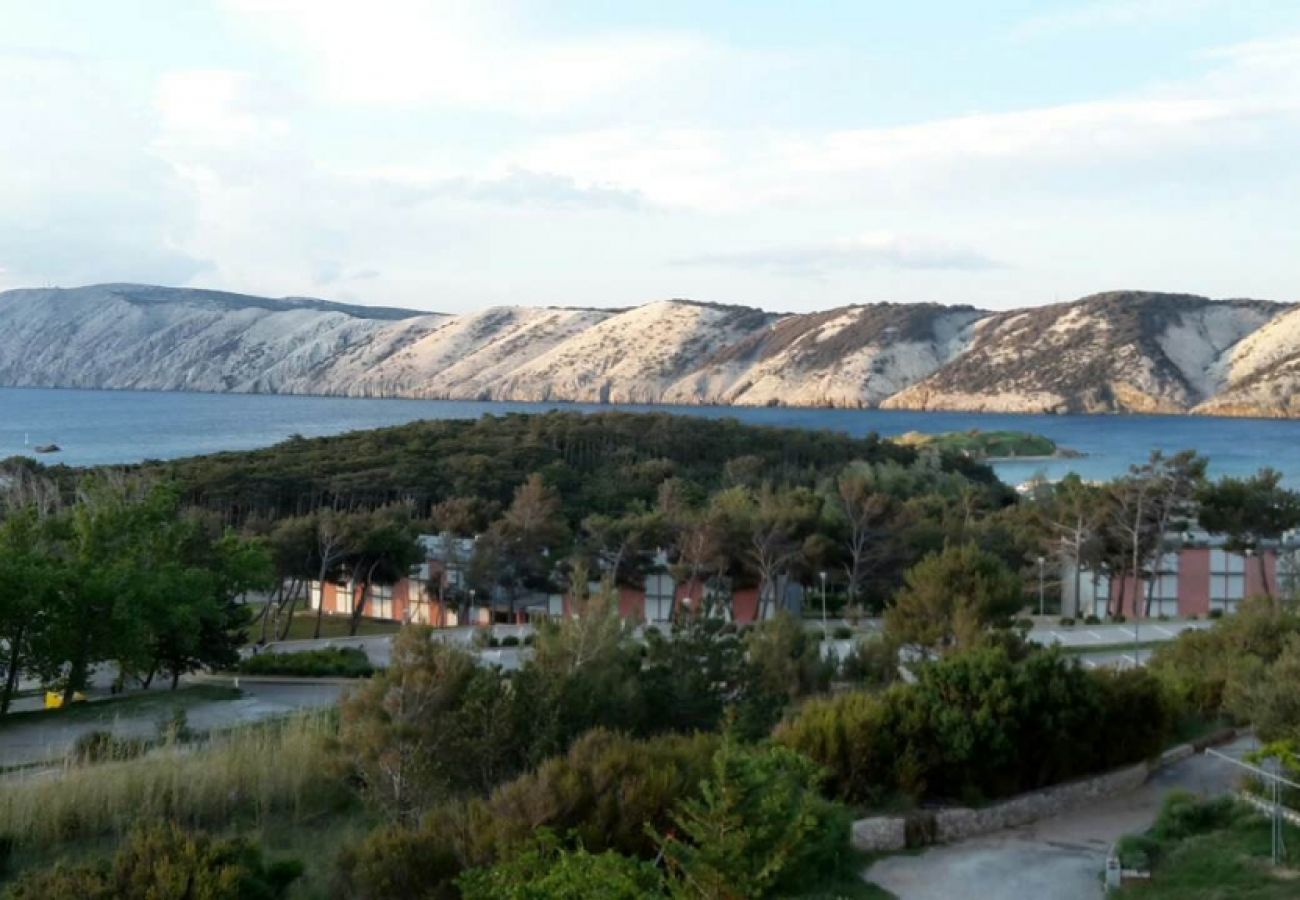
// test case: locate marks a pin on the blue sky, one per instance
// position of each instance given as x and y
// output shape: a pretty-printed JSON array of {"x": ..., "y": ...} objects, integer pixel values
[{"x": 452, "y": 156}]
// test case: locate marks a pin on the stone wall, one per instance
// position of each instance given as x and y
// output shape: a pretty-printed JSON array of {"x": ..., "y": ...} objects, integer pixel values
[
  {"x": 883, "y": 834},
  {"x": 959, "y": 823},
  {"x": 880, "y": 834}
]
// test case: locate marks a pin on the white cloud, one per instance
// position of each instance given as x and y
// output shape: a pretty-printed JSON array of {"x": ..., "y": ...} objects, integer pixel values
[
  {"x": 883, "y": 250},
  {"x": 81, "y": 201},
  {"x": 402, "y": 53}
]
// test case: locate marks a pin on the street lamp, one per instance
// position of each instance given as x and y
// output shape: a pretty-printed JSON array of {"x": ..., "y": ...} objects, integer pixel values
[
  {"x": 825, "y": 630},
  {"x": 1041, "y": 561}
]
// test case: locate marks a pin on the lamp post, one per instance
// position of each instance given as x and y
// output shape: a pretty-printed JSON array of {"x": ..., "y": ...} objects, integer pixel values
[
  {"x": 825, "y": 630},
  {"x": 1041, "y": 561}
]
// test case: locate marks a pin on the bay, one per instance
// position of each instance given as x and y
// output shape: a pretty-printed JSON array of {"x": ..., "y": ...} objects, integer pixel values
[{"x": 111, "y": 427}]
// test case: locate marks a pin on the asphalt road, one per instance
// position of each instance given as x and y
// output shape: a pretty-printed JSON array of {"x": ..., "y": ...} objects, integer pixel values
[
  {"x": 1055, "y": 859},
  {"x": 40, "y": 740}
]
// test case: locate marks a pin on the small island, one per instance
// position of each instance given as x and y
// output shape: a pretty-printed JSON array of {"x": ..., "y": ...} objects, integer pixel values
[{"x": 987, "y": 446}]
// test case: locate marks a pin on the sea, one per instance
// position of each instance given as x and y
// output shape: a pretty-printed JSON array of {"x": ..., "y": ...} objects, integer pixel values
[{"x": 115, "y": 427}]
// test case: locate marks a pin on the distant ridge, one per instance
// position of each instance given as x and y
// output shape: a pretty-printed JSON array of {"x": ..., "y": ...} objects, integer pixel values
[{"x": 1114, "y": 352}]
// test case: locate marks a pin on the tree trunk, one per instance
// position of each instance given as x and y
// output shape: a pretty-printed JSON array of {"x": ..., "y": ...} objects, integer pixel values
[
  {"x": 293, "y": 607},
  {"x": 76, "y": 679},
  {"x": 276, "y": 600},
  {"x": 1263, "y": 575},
  {"x": 359, "y": 609},
  {"x": 320, "y": 608},
  {"x": 11, "y": 676}
]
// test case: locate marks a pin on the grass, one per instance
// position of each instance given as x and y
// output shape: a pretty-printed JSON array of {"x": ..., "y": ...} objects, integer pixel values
[
  {"x": 303, "y": 627},
  {"x": 142, "y": 704},
  {"x": 246, "y": 775},
  {"x": 1231, "y": 860}
]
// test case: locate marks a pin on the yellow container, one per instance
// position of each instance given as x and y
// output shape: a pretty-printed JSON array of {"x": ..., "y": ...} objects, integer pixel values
[{"x": 54, "y": 699}]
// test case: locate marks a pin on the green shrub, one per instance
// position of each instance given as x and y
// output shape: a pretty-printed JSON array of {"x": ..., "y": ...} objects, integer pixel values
[
  {"x": 1215, "y": 614},
  {"x": 546, "y": 871},
  {"x": 399, "y": 861},
  {"x": 872, "y": 662},
  {"x": 1137, "y": 718},
  {"x": 1118, "y": 619},
  {"x": 1067, "y": 622},
  {"x": 842, "y": 632},
  {"x": 1183, "y": 814},
  {"x": 1137, "y": 851},
  {"x": 603, "y": 793},
  {"x": 979, "y": 725},
  {"x": 510, "y": 640},
  {"x": 851, "y": 735},
  {"x": 759, "y": 828},
  {"x": 1091, "y": 620},
  {"x": 164, "y": 862},
  {"x": 328, "y": 662}
]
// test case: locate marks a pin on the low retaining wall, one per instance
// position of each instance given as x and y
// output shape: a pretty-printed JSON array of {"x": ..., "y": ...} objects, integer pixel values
[
  {"x": 888, "y": 834},
  {"x": 960, "y": 823}
]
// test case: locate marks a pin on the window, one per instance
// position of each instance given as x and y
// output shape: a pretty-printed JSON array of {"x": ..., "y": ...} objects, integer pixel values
[
  {"x": 1227, "y": 579},
  {"x": 313, "y": 599},
  {"x": 1100, "y": 595},
  {"x": 659, "y": 588},
  {"x": 343, "y": 597},
  {"x": 1164, "y": 590},
  {"x": 380, "y": 604}
]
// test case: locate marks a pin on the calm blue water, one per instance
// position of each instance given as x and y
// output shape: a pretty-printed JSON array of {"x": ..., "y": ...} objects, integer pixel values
[{"x": 95, "y": 427}]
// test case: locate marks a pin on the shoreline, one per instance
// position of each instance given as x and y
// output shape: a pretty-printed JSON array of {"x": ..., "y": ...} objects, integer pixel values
[{"x": 650, "y": 404}]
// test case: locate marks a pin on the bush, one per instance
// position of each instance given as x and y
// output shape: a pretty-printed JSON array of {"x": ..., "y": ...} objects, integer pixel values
[
  {"x": 1091, "y": 620},
  {"x": 546, "y": 871},
  {"x": 529, "y": 639},
  {"x": 759, "y": 828},
  {"x": 1137, "y": 717},
  {"x": 1183, "y": 814},
  {"x": 1118, "y": 619},
  {"x": 1066, "y": 622},
  {"x": 872, "y": 662},
  {"x": 398, "y": 861},
  {"x": 842, "y": 632},
  {"x": 101, "y": 746},
  {"x": 980, "y": 725},
  {"x": 851, "y": 735},
  {"x": 510, "y": 640},
  {"x": 1215, "y": 614},
  {"x": 1137, "y": 852},
  {"x": 329, "y": 662},
  {"x": 604, "y": 793},
  {"x": 164, "y": 862}
]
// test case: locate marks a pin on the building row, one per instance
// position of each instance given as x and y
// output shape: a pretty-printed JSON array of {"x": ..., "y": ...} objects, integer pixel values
[
  {"x": 1196, "y": 575},
  {"x": 437, "y": 593}
]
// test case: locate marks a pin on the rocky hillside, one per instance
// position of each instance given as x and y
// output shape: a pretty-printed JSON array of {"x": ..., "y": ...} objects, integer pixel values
[
  {"x": 1115, "y": 352},
  {"x": 1118, "y": 352}
]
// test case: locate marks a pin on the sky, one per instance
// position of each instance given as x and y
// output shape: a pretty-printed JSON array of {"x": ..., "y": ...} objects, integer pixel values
[{"x": 455, "y": 155}]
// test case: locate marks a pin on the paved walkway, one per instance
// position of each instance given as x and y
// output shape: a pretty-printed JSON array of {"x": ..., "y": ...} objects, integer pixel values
[{"x": 1055, "y": 859}]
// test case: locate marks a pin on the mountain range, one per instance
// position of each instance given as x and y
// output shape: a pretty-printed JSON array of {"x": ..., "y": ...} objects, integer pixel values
[{"x": 1121, "y": 351}]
